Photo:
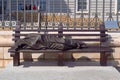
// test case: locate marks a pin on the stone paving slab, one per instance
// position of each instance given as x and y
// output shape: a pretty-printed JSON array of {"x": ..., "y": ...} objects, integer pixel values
[{"x": 49, "y": 71}]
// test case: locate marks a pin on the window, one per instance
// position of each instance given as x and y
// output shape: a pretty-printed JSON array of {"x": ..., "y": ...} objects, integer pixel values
[
  {"x": 43, "y": 5},
  {"x": 0, "y": 7},
  {"x": 82, "y": 5},
  {"x": 5, "y": 3},
  {"x": 117, "y": 6},
  {"x": 35, "y": 5}
]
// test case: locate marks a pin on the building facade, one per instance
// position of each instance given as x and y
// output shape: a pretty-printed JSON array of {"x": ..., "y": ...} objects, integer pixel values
[{"x": 55, "y": 11}]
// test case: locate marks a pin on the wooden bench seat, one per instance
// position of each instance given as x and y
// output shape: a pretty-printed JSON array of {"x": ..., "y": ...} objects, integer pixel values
[
  {"x": 87, "y": 50},
  {"x": 85, "y": 35}
]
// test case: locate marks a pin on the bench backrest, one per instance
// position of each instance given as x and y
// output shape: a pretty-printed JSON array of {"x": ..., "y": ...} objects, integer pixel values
[{"x": 84, "y": 35}]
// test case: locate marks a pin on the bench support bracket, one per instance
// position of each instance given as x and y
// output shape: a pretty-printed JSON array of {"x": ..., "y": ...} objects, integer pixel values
[
  {"x": 60, "y": 59},
  {"x": 16, "y": 59},
  {"x": 103, "y": 58}
]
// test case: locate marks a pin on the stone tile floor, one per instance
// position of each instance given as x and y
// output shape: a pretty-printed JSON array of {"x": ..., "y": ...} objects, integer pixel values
[{"x": 75, "y": 71}]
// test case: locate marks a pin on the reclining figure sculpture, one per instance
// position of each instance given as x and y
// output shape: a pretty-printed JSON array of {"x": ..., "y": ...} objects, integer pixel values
[{"x": 43, "y": 41}]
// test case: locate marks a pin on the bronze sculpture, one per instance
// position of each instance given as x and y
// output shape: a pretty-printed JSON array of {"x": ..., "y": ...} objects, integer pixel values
[{"x": 43, "y": 41}]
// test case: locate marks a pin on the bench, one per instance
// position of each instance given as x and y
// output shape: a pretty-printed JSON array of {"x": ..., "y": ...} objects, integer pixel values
[{"x": 86, "y": 35}]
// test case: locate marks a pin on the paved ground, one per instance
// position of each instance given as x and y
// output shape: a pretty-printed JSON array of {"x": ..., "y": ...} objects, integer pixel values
[
  {"x": 49, "y": 71},
  {"x": 1, "y": 70}
]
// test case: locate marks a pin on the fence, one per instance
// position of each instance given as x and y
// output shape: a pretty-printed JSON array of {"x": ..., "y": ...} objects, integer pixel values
[{"x": 50, "y": 13}]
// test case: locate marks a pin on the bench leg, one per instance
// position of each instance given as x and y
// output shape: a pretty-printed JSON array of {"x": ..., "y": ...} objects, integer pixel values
[
  {"x": 16, "y": 59},
  {"x": 103, "y": 59},
  {"x": 60, "y": 59}
]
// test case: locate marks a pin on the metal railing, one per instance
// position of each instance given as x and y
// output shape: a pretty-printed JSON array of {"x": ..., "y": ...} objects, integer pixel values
[{"x": 50, "y": 13}]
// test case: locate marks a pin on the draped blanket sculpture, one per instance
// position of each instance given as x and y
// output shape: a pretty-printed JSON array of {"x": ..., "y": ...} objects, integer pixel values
[{"x": 34, "y": 41}]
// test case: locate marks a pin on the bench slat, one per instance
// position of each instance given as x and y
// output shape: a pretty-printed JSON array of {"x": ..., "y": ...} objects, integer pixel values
[
  {"x": 97, "y": 39},
  {"x": 88, "y": 50},
  {"x": 51, "y": 30},
  {"x": 65, "y": 34}
]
